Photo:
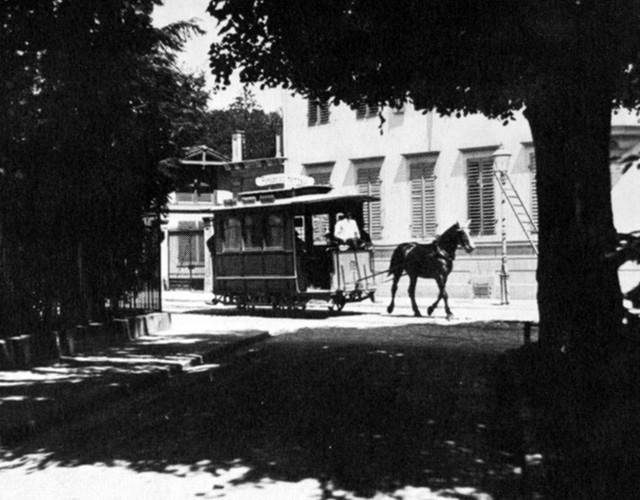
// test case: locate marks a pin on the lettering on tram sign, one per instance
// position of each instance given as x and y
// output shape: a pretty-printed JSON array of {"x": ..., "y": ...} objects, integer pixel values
[{"x": 289, "y": 181}]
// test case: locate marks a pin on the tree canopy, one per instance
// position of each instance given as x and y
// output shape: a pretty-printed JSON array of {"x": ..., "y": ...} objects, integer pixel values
[
  {"x": 94, "y": 101},
  {"x": 244, "y": 113},
  {"x": 456, "y": 56}
]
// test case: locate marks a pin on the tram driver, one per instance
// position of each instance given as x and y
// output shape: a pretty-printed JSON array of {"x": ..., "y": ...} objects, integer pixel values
[{"x": 347, "y": 232}]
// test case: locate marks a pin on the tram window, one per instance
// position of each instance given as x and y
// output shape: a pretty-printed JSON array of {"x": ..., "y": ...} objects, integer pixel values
[
  {"x": 298, "y": 225},
  {"x": 252, "y": 232},
  {"x": 232, "y": 234},
  {"x": 275, "y": 231},
  {"x": 320, "y": 223}
]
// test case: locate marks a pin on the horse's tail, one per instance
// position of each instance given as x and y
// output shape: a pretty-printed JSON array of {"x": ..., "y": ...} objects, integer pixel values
[{"x": 397, "y": 260}]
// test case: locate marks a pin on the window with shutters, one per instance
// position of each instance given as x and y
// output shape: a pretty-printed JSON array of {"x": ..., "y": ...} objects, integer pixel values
[
  {"x": 193, "y": 197},
  {"x": 423, "y": 199},
  {"x": 319, "y": 172},
  {"x": 317, "y": 112},
  {"x": 321, "y": 175},
  {"x": 534, "y": 191},
  {"x": 368, "y": 180},
  {"x": 481, "y": 208},
  {"x": 184, "y": 196},
  {"x": 366, "y": 111},
  {"x": 204, "y": 197}
]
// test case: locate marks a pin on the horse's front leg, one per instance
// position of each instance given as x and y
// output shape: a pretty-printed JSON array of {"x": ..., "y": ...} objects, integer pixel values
[{"x": 412, "y": 293}]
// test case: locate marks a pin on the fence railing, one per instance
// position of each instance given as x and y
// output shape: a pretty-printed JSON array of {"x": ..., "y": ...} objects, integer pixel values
[{"x": 47, "y": 296}]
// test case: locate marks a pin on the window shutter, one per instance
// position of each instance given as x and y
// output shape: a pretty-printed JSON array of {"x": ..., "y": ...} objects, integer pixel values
[
  {"x": 423, "y": 200},
  {"x": 366, "y": 111},
  {"x": 481, "y": 196},
  {"x": 320, "y": 172},
  {"x": 320, "y": 177},
  {"x": 368, "y": 181},
  {"x": 184, "y": 196},
  {"x": 197, "y": 248},
  {"x": 186, "y": 255},
  {"x": 534, "y": 191},
  {"x": 323, "y": 107},
  {"x": 205, "y": 197},
  {"x": 312, "y": 113}
]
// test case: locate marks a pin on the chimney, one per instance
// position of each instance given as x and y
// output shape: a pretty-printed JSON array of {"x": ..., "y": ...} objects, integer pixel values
[
  {"x": 237, "y": 145},
  {"x": 278, "y": 146}
]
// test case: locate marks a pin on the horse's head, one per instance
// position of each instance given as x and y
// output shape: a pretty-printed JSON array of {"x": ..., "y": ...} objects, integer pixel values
[
  {"x": 456, "y": 236},
  {"x": 464, "y": 240}
]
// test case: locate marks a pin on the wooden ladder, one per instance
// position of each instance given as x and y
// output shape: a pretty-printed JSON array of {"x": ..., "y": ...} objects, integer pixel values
[{"x": 519, "y": 209}]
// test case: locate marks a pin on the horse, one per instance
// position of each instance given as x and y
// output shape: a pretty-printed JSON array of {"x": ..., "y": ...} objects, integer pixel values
[{"x": 433, "y": 260}]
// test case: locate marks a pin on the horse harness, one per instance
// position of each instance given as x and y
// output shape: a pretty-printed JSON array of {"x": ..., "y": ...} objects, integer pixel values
[{"x": 440, "y": 252}]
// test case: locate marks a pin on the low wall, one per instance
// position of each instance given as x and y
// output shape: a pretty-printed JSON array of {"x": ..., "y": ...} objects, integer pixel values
[
  {"x": 476, "y": 275},
  {"x": 24, "y": 351}
]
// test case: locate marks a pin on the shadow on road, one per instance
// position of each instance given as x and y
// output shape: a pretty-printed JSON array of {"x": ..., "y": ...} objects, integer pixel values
[{"x": 359, "y": 411}]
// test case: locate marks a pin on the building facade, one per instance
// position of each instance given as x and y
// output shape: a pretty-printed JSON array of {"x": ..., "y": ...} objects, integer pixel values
[{"x": 430, "y": 171}]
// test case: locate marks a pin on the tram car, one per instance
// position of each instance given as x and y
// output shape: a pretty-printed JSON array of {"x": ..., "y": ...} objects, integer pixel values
[{"x": 275, "y": 248}]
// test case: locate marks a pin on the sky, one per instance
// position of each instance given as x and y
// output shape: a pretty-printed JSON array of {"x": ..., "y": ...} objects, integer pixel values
[{"x": 195, "y": 58}]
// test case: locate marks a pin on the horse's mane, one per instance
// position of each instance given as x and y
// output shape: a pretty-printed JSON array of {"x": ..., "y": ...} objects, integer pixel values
[
  {"x": 447, "y": 241},
  {"x": 448, "y": 234}
]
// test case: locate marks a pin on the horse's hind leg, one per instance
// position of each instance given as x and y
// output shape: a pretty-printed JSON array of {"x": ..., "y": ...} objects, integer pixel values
[
  {"x": 412, "y": 294},
  {"x": 394, "y": 289}
]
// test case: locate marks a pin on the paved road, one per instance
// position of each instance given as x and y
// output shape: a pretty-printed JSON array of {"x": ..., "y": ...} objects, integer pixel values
[{"x": 400, "y": 410}]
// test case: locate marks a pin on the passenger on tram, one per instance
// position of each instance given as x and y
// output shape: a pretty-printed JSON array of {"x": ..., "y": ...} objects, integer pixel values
[{"x": 347, "y": 232}]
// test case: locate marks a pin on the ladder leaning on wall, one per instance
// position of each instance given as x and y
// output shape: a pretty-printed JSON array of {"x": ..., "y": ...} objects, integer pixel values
[{"x": 519, "y": 209}]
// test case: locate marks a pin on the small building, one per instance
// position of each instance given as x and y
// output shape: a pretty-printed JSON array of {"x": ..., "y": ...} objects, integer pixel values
[{"x": 206, "y": 179}]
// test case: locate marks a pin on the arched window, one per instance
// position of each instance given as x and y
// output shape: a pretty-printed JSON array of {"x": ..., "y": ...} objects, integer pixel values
[
  {"x": 275, "y": 231},
  {"x": 232, "y": 233}
]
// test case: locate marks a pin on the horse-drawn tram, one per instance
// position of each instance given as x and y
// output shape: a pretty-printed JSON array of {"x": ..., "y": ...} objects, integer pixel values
[{"x": 276, "y": 248}]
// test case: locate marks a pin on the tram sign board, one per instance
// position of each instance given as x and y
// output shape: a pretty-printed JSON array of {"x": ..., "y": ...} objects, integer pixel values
[{"x": 289, "y": 181}]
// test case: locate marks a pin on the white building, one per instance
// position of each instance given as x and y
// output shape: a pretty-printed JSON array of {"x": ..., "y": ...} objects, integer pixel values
[{"x": 429, "y": 172}]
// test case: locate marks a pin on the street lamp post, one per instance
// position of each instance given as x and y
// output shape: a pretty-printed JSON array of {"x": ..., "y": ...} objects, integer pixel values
[{"x": 501, "y": 165}]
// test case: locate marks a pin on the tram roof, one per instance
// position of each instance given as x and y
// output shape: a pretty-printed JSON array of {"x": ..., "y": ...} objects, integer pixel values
[{"x": 314, "y": 202}]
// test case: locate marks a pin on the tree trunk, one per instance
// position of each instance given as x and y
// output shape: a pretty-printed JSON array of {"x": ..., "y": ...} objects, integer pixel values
[{"x": 579, "y": 296}]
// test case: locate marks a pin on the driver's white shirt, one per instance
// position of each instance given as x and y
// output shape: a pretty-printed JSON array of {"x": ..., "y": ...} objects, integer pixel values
[{"x": 346, "y": 229}]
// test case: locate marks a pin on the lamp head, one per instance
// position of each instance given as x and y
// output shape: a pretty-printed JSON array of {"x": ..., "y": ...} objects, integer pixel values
[{"x": 501, "y": 159}]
